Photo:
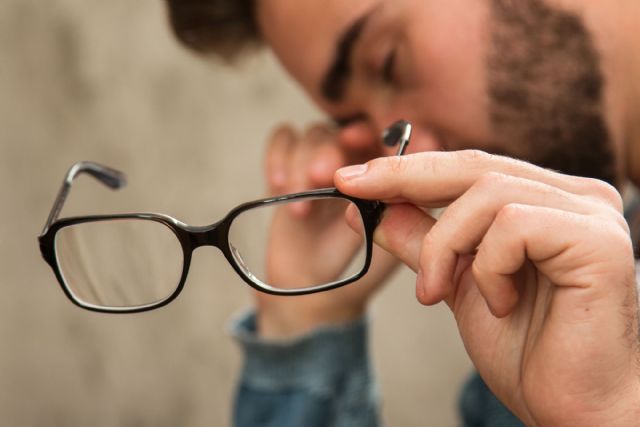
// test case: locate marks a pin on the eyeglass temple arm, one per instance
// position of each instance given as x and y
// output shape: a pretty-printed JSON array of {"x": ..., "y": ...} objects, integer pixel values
[
  {"x": 109, "y": 177},
  {"x": 398, "y": 133}
]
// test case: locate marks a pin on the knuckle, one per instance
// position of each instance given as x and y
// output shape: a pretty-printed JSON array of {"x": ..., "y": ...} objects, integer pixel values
[
  {"x": 616, "y": 217},
  {"x": 626, "y": 244},
  {"x": 393, "y": 165},
  {"x": 472, "y": 156},
  {"x": 279, "y": 145},
  {"x": 479, "y": 267},
  {"x": 489, "y": 190},
  {"x": 491, "y": 180},
  {"x": 602, "y": 191},
  {"x": 511, "y": 215},
  {"x": 283, "y": 134},
  {"x": 623, "y": 238},
  {"x": 619, "y": 226},
  {"x": 617, "y": 240}
]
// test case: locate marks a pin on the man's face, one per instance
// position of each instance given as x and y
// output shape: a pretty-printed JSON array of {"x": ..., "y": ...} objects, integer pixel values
[{"x": 518, "y": 78}]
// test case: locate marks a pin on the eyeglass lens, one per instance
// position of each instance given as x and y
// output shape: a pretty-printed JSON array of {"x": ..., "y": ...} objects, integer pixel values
[
  {"x": 119, "y": 263},
  {"x": 290, "y": 260}
]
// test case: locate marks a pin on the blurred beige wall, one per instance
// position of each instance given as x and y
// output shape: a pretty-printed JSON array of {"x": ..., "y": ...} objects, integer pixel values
[{"x": 105, "y": 81}]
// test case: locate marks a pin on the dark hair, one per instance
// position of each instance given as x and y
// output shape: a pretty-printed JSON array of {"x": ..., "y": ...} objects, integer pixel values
[{"x": 225, "y": 28}]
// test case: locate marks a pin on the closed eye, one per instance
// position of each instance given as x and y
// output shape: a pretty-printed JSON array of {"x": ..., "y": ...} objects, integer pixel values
[{"x": 387, "y": 73}]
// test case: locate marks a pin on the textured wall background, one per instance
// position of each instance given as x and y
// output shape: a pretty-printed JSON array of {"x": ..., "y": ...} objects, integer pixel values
[{"x": 105, "y": 81}]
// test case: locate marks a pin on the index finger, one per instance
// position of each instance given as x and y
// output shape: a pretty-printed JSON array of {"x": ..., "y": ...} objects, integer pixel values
[
  {"x": 277, "y": 157},
  {"x": 436, "y": 178}
]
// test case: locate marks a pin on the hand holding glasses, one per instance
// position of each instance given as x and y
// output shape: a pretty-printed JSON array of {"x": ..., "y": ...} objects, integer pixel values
[{"x": 126, "y": 263}]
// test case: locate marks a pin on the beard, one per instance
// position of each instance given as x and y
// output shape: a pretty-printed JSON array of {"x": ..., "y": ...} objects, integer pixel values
[{"x": 546, "y": 90}]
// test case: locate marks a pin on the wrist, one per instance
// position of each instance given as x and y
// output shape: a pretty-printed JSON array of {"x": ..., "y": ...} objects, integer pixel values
[{"x": 288, "y": 317}]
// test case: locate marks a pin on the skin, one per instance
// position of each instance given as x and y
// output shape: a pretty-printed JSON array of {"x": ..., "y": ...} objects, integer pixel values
[{"x": 537, "y": 266}]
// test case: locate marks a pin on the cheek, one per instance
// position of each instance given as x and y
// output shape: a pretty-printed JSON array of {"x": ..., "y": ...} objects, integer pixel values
[
  {"x": 448, "y": 56},
  {"x": 422, "y": 139}
]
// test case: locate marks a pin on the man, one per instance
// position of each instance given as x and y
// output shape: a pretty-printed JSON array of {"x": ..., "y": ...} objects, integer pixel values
[{"x": 536, "y": 265}]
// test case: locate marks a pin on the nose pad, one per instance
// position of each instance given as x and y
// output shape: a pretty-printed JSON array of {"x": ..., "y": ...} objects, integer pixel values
[
  {"x": 397, "y": 135},
  {"x": 424, "y": 136},
  {"x": 239, "y": 260}
]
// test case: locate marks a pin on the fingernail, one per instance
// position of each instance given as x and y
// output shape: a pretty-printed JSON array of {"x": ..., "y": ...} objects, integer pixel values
[{"x": 351, "y": 172}]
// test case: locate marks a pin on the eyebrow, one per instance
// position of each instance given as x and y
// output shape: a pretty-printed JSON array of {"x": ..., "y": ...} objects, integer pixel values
[{"x": 334, "y": 83}]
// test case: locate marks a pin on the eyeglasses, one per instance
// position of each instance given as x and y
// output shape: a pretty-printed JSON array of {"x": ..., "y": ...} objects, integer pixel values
[{"x": 125, "y": 263}]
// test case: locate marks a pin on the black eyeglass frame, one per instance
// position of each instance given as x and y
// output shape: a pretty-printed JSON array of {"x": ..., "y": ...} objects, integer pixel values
[{"x": 216, "y": 234}]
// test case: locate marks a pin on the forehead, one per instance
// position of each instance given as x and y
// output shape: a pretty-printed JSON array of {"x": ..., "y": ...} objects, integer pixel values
[{"x": 303, "y": 34}]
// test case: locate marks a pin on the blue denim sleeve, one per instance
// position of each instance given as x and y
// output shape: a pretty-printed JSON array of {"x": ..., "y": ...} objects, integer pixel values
[
  {"x": 322, "y": 379},
  {"x": 480, "y": 408}
]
